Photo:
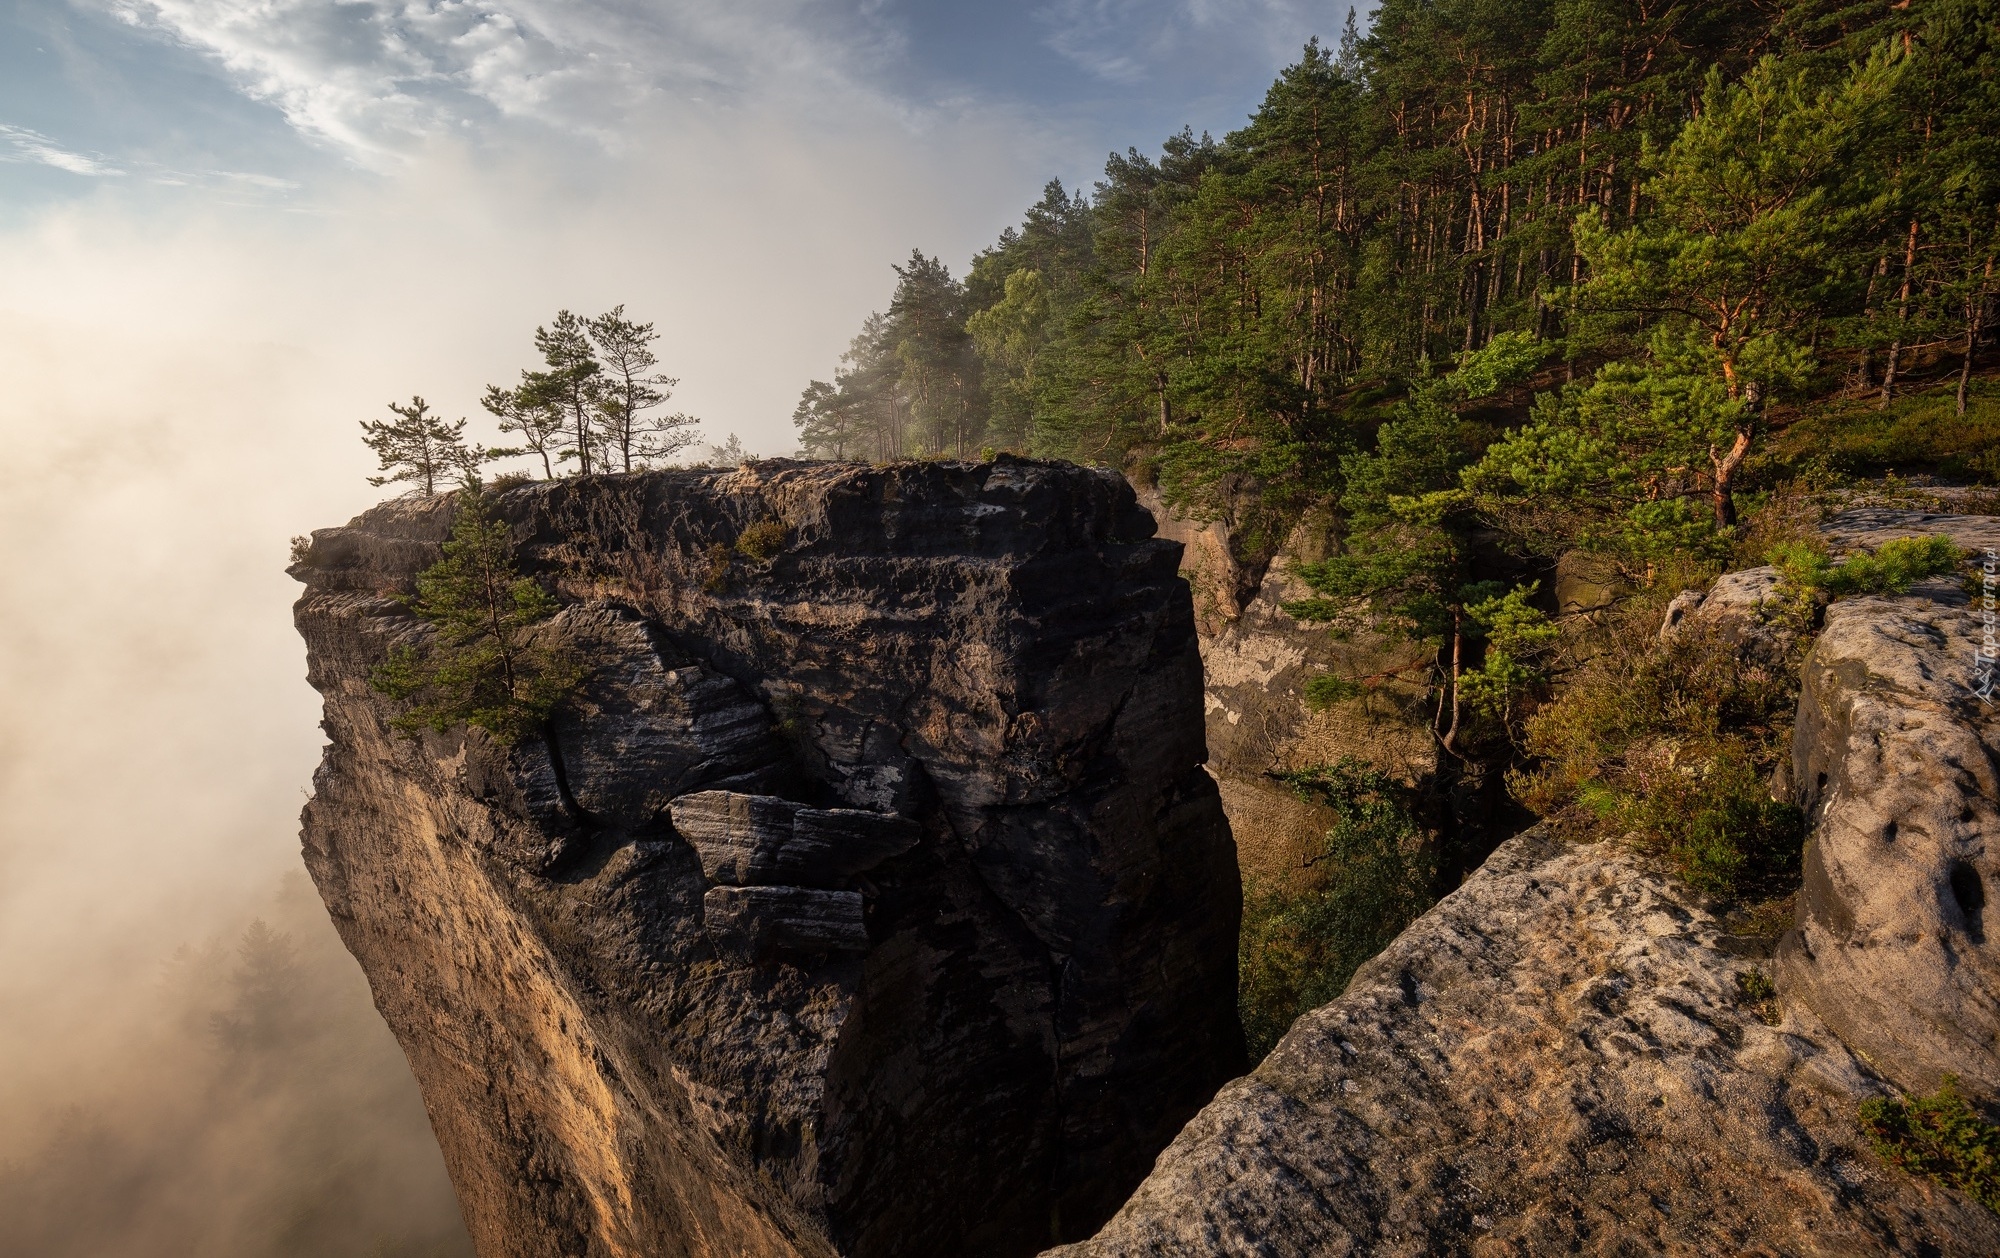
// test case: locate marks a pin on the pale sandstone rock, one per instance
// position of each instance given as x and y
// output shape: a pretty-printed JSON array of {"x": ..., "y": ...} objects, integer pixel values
[
  {"x": 1555, "y": 1059},
  {"x": 1895, "y": 761}
]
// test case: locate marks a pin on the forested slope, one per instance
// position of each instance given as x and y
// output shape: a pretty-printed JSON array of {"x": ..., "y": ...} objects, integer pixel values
[
  {"x": 1470, "y": 170},
  {"x": 1503, "y": 289}
]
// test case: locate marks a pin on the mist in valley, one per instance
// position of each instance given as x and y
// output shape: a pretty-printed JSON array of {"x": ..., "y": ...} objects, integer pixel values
[
  {"x": 259, "y": 1107},
  {"x": 230, "y": 233}
]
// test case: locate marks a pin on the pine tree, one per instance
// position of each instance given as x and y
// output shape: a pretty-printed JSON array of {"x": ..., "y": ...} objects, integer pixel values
[
  {"x": 485, "y": 666},
  {"x": 538, "y": 422},
  {"x": 629, "y": 390},
  {"x": 1752, "y": 201},
  {"x": 571, "y": 386},
  {"x": 423, "y": 449}
]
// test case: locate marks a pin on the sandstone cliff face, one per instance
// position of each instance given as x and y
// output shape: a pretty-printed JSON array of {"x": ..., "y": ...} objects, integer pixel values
[
  {"x": 873, "y": 901},
  {"x": 1559, "y": 1057},
  {"x": 1258, "y": 659}
]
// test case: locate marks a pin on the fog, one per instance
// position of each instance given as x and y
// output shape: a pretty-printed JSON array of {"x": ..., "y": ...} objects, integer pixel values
[
  {"x": 228, "y": 233},
  {"x": 182, "y": 397}
]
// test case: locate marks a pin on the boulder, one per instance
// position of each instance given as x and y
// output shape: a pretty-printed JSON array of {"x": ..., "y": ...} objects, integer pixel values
[
  {"x": 1560, "y": 1057},
  {"x": 1894, "y": 759}
]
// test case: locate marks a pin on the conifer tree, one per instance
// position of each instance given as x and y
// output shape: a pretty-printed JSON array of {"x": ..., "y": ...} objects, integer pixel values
[
  {"x": 423, "y": 449},
  {"x": 629, "y": 391},
  {"x": 538, "y": 422},
  {"x": 485, "y": 666},
  {"x": 1752, "y": 203},
  {"x": 571, "y": 385}
]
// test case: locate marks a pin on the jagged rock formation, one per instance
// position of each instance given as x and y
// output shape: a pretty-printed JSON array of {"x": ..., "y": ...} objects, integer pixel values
[
  {"x": 869, "y": 898},
  {"x": 1563, "y": 1056}
]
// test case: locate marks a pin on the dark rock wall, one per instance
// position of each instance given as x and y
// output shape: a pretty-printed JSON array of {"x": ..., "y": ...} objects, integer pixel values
[{"x": 963, "y": 959}]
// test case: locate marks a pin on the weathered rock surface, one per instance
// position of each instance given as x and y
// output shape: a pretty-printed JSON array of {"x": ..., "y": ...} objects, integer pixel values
[
  {"x": 746, "y": 840},
  {"x": 1557, "y": 1058},
  {"x": 1258, "y": 661},
  {"x": 1896, "y": 758},
  {"x": 1561, "y": 1056},
  {"x": 946, "y": 954}
]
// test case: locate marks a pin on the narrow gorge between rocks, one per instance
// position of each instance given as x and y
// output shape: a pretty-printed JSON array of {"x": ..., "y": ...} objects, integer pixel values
[{"x": 874, "y": 896}]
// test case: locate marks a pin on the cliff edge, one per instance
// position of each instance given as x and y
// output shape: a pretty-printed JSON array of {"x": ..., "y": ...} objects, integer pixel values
[{"x": 868, "y": 898}]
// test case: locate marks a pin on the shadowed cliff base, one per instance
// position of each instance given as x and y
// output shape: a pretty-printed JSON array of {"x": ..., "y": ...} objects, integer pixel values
[{"x": 935, "y": 951}]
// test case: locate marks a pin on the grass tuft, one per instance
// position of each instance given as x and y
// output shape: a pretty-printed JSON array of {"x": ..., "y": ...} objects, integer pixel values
[{"x": 1940, "y": 1136}]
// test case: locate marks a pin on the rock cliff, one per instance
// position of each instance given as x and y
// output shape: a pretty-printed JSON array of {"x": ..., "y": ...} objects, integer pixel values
[
  {"x": 1571, "y": 1053},
  {"x": 869, "y": 897},
  {"x": 1258, "y": 659},
  {"x": 1557, "y": 1058}
]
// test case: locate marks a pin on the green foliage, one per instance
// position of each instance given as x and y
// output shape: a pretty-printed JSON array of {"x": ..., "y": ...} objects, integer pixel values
[
  {"x": 1940, "y": 1136},
  {"x": 1708, "y": 809},
  {"x": 1804, "y": 569},
  {"x": 1918, "y": 432},
  {"x": 483, "y": 666},
  {"x": 423, "y": 449},
  {"x": 1757, "y": 991},
  {"x": 596, "y": 400},
  {"x": 1516, "y": 634},
  {"x": 1324, "y": 691},
  {"x": 762, "y": 540},
  {"x": 1374, "y": 875},
  {"x": 1671, "y": 744},
  {"x": 912, "y": 384}
]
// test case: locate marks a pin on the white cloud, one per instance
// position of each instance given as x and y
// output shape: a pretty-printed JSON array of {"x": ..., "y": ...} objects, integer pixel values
[
  {"x": 33, "y": 146},
  {"x": 375, "y": 77}
]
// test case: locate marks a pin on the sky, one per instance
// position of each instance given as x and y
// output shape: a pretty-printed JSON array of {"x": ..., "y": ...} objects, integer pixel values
[{"x": 232, "y": 229}]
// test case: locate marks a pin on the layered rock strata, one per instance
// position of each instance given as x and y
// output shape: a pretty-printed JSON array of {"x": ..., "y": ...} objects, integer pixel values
[{"x": 868, "y": 898}]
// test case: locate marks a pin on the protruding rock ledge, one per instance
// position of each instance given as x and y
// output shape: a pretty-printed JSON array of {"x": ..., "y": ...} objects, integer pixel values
[{"x": 751, "y": 840}]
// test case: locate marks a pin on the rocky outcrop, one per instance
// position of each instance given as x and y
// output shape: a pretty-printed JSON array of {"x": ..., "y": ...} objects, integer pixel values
[
  {"x": 1571, "y": 1053},
  {"x": 1258, "y": 659},
  {"x": 1557, "y": 1058},
  {"x": 1896, "y": 759},
  {"x": 868, "y": 898}
]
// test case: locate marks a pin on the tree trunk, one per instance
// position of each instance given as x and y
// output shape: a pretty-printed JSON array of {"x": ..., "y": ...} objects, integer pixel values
[
  {"x": 1457, "y": 669},
  {"x": 1902, "y": 316},
  {"x": 1726, "y": 465},
  {"x": 1973, "y": 317}
]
